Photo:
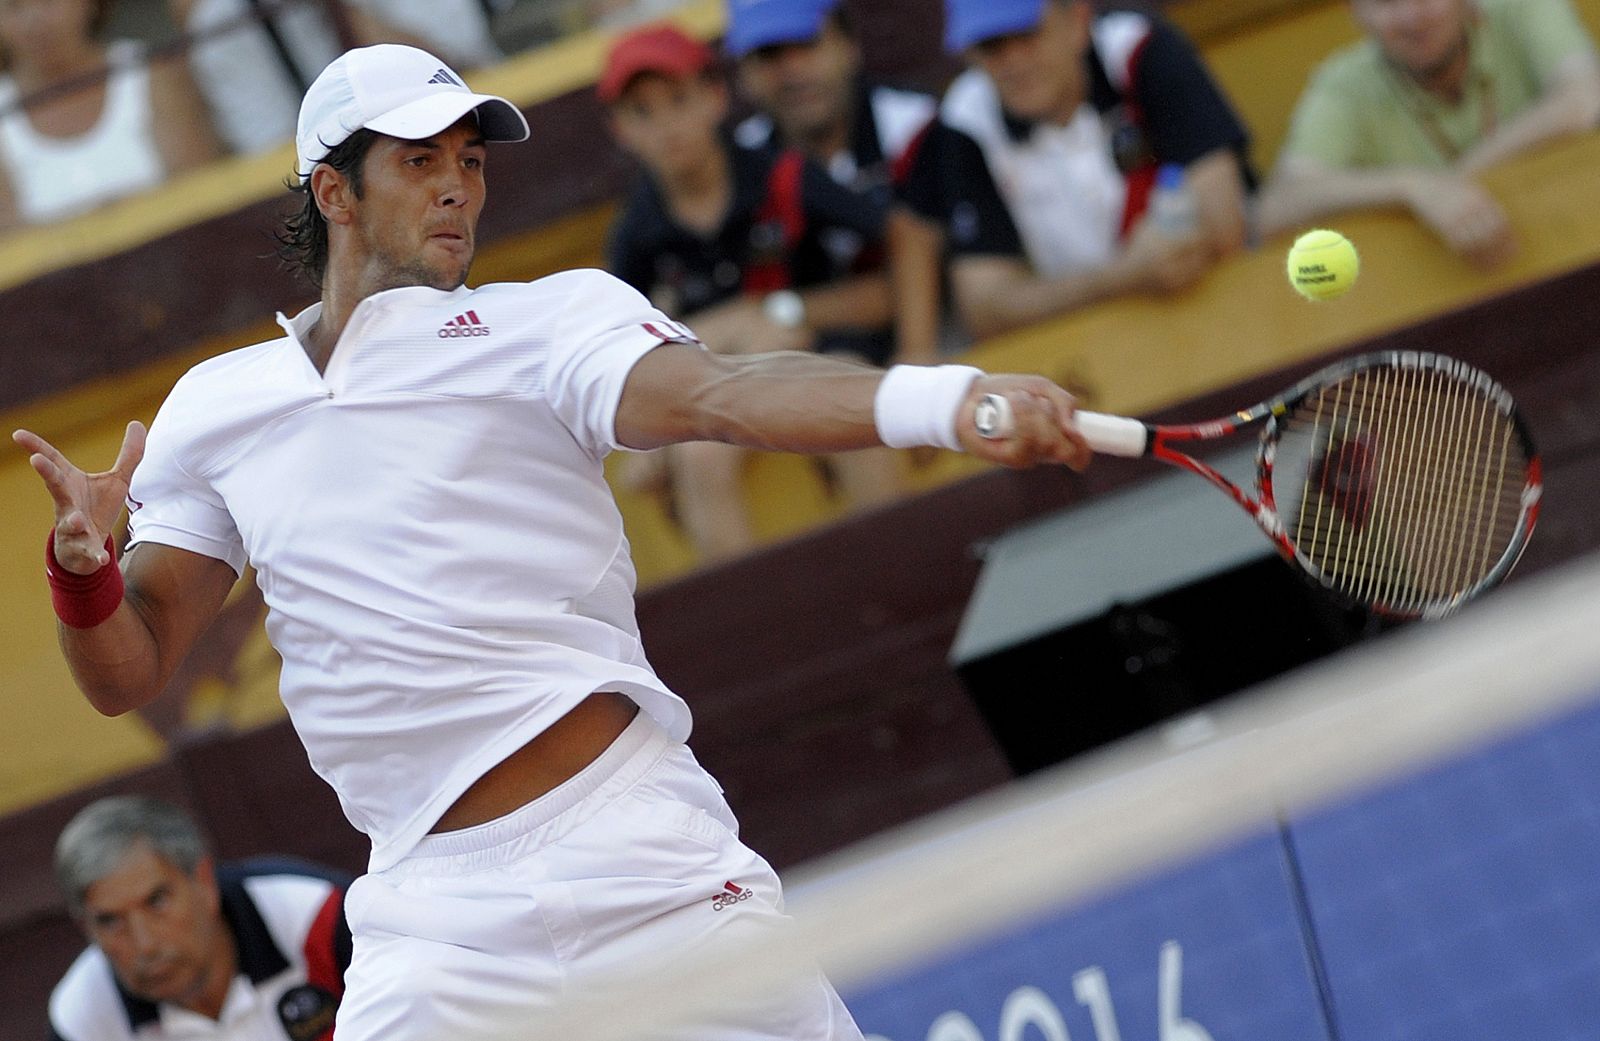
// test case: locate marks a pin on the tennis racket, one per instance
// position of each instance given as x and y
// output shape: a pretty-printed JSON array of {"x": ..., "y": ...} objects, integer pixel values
[{"x": 1401, "y": 480}]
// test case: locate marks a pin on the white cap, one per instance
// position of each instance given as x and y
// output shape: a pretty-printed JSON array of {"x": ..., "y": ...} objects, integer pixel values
[{"x": 395, "y": 90}]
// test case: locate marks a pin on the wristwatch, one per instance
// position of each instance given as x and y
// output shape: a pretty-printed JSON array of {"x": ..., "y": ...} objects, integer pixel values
[{"x": 784, "y": 308}]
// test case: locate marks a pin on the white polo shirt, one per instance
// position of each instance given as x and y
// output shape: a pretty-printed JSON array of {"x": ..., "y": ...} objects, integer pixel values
[
  {"x": 443, "y": 563},
  {"x": 1065, "y": 194}
]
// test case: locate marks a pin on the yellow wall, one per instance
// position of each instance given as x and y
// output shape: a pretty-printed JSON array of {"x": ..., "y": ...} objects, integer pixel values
[
  {"x": 1264, "y": 72},
  {"x": 51, "y": 739}
]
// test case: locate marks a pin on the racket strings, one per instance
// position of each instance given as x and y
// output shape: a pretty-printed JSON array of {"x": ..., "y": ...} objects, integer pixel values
[
  {"x": 1402, "y": 531},
  {"x": 1409, "y": 485}
]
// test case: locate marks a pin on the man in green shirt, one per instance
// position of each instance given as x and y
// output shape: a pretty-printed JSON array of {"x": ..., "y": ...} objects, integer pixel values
[{"x": 1438, "y": 91}]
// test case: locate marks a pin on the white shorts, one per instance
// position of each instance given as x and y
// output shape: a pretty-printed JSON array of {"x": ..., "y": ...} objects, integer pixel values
[{"x": 476, "y": 931}]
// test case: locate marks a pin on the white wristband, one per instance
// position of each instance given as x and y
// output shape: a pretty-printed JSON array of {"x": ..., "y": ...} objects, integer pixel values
[{"x": 918, "y": 404}]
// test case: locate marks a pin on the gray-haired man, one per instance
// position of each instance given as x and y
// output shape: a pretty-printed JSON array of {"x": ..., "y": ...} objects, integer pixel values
[{"x": 183, "y": 947}]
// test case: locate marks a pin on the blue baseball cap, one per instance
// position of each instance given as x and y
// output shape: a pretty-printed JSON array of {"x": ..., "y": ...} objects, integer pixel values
[
  {"x": 968, "y": 23},
  {"x": 753, "y": 24}
]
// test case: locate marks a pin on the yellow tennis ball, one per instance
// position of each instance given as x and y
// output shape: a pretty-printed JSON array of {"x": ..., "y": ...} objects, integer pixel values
[{"x": 1322, "y": 264}]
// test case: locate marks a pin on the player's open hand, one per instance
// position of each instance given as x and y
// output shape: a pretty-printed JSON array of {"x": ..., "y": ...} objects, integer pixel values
[
  {"x": 1037, "y": 424},
  {"x": 87, "y": 505}
]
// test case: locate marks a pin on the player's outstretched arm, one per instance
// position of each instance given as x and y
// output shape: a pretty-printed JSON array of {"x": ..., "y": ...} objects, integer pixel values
[
  {"x": 123, "y": 630},
  {"x": 794, "y": 402}
]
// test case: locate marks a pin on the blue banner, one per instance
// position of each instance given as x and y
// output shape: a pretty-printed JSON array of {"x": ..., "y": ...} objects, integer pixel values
[
  {"x": 1460, "y": 904},
  {"x": 1211, "y": 952}
]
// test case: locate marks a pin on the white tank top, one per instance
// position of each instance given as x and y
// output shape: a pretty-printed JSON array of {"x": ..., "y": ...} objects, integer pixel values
[{"x": 56, "y": 177}]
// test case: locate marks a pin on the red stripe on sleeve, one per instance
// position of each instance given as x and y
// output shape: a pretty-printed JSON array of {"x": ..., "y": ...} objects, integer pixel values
[
  {"x": 322, "y": 964},
  {"x": 1142, "y": 180},
  {"x": 900, "y": 169},
  {"x": 784, "y": 206}
]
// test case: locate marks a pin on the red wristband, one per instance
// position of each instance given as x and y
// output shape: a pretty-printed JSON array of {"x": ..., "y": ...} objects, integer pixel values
[{"x": 83, "y": 601}]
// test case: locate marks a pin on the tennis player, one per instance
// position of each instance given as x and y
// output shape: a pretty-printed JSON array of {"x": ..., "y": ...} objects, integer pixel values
[{"x": 414, "y": 469}]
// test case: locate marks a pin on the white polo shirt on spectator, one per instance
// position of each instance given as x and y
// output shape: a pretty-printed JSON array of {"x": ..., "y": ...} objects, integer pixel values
[
  {"x": 443, "y": 562},
  {"x": 1065, "y": 193},
  {"x": 1065, "y": 196}
]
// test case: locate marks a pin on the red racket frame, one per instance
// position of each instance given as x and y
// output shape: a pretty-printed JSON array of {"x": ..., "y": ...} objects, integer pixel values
[{"x": 1262, "y": 506}]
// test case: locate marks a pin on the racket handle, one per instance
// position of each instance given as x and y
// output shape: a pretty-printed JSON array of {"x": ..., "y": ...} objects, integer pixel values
[
  {"x": 1113, "y": 435},
  {"x": 1107, "y": 435}
]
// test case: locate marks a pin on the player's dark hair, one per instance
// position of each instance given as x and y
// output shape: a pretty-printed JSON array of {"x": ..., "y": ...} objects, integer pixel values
[{"x": 303, "y": 240}]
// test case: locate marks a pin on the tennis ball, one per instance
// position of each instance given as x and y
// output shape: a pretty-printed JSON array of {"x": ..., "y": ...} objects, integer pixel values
[{"x": 1322, "y": 264}]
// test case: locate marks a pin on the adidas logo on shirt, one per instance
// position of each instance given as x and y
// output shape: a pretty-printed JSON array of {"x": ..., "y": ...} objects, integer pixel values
[
  {"x": 468, "y": 324},
  {"x": 731, "y": 894}
]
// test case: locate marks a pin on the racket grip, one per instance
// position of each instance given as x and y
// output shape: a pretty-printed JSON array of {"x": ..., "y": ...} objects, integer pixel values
[{"x": 1113, "y": 435}]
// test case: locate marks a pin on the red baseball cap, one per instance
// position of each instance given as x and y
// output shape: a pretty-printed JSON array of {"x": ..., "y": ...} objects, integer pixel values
[{"x": 664, "y": 49}]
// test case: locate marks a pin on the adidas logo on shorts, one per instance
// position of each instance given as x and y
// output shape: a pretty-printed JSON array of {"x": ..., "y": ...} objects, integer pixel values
[
  {"x": 468, "y": 324},
  {"x": 731, "y": 894}
]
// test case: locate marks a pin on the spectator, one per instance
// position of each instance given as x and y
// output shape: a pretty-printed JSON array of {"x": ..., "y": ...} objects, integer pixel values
[
  {"x": 1437, "y": 92},
  {"x": 799, "y": 63},
  {"x": 709, "y": 229},
  {"x": 183, "y": 948},
  {"x": 253, "y": 72},
  {"x": 77, "y": 116},
  {"x": 1040, "y": 175}
]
